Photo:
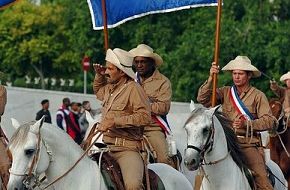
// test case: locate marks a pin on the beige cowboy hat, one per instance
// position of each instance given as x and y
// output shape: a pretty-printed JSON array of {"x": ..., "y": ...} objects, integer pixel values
[
  {"x": 285, "y": 77},
  {"x": 242, "y": 63},
  {"x": 144, "y": 50},
  {"x": 121, "y": 59}
]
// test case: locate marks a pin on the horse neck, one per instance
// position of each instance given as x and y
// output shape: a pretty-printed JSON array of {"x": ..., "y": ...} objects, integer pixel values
[
  {"x": 220, "y": 148},
  {"x": 65, "y": 154}
]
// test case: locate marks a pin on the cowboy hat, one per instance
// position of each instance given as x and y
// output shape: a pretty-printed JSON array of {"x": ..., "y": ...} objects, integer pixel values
[
  {"x": 242, "y": 63},
  {"x": 121, "y": 59},
  {"x": 144, "y": 50},
  {"x": 285, "y": 77}
]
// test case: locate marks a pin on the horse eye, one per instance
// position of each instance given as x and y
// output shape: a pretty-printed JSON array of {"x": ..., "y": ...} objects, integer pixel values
[
  {"x": 29, "y": 152},
  {"x": 205, "y": 131}
]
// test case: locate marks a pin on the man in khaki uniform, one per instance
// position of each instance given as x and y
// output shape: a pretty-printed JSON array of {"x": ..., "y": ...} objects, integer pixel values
[
  {"x": 4, "y": 160},
  {"x": 158, "y": 89},
  {"x": 125, "y": 113},
  {"x": 283, "y": 93},
  {"x": 248, "y": 122}
]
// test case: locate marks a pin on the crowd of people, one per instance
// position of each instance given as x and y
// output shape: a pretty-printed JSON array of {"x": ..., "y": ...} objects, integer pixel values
[
  {"x": 70, "y": 117},
  {"x": 136, "y": 98}
]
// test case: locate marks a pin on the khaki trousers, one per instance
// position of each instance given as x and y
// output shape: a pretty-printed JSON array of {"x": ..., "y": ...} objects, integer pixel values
[
  {"x": 132, "y": 168},
  {"x": 158, "y": 141},
  {"x": 255, "y": 160}
]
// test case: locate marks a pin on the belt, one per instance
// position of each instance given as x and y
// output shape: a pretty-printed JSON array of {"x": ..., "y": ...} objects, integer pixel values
[{"x": 122, "y": 142}]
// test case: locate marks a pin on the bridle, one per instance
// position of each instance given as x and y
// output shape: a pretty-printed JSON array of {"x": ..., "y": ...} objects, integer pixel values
[
  {"x": 30, "y": 174},
  {"x": 208, "y": 144}
]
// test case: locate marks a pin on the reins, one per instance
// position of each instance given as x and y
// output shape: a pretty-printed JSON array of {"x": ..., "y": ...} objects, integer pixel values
[{"x": 75, "y": 164}]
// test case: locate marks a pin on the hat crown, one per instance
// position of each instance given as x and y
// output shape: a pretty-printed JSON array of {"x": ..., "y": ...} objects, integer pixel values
[
  {"x": 242, "y": 63},
  {"x": 121, "y": 59},
  {"x": 285, "y": 76},
  {"x": 243, "y": 59},
  {"x": 145, "y": 47},
  {"x": 144, "y": 50}
]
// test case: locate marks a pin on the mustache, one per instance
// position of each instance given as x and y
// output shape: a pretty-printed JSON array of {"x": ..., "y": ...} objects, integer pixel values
[{"x": 107, "y": 76}]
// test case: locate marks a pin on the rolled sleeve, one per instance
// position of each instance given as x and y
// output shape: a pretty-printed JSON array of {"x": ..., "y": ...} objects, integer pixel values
[{"x": 99, "y": 86}]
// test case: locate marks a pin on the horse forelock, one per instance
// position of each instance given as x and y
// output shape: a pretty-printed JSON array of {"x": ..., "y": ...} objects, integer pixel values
[
  {"x": 20, "y": 135},
  {"x": 194, "y": 114}
]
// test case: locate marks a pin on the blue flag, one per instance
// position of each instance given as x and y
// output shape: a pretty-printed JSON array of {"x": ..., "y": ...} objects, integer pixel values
[
  {"x": 4, "y": 3},
  {"x": 120, "y": 11}
]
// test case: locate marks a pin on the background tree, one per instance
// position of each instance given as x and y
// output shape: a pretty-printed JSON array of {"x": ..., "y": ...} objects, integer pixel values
[{"x": 50, "y": 40}]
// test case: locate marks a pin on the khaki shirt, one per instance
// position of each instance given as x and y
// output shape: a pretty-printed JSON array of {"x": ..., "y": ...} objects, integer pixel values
[
  {"x": 283, "y": 94},
  {"x": 3, "y": 99},
  {"x": 127, "y": 104},
  {"x": 253, "y": 99},
  {"x": 158, "y": 89}
]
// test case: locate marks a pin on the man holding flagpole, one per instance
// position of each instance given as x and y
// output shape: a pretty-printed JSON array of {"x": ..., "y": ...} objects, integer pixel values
[
  {"x": 158, "y": 89},
  {"x": 248, "y": 109}
]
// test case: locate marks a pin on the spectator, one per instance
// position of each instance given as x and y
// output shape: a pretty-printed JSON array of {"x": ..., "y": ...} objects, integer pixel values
[
  {"x": 64, "y": 121},
  {"x": 44, "y": 112}
]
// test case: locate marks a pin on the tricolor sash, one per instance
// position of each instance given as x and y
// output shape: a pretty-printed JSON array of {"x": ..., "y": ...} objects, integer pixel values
[
  {"x": 239, "y": 105},
  {"x": 163, "y": 123}
]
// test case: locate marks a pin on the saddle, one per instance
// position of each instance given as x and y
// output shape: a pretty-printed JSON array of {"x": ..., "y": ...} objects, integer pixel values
[
  {"x": 251, "y": 178},
  {"x": 113, "y": 177}
]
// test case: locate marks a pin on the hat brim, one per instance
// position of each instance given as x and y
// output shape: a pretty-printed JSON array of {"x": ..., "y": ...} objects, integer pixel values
[
  {"x": 240, "y": 66},
  {"x": 138, "y": 52},
  {"x": 285, "y": 77},
  {"x": 112, "y": 58}
]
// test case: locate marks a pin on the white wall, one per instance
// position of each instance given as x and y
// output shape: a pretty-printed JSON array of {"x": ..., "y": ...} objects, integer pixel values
[{"x": 23, "y": 104}]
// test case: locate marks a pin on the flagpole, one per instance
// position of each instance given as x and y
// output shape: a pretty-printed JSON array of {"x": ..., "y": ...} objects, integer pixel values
[
  {"x": 105, "y": 23},
  {"x": 216, "y": 51}
]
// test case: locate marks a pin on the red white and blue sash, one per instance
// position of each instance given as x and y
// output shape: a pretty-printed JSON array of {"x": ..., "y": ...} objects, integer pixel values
[
  {"x": 163, "y": 123},
  {"x": 239, "y": 105}
]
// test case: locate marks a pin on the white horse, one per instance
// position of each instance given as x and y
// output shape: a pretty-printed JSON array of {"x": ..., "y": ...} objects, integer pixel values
[
  {"x": 212, "y": 148},
  {"x": 55, "y": 153}
]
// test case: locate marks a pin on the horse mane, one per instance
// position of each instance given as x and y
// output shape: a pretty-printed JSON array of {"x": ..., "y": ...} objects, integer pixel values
[
  {"x": 20, "y": 134},
  {"x": 232, "y": 141}
]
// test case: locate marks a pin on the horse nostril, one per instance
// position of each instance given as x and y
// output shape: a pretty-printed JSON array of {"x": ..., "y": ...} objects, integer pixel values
[{"x": 193, "y": 162}]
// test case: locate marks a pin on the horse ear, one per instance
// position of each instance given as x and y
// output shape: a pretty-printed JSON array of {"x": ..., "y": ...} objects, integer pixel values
[
  {"x": 89, "y": 117},
  {"x": 15, "y": 123},
  {"x": 36, "y": 127},
  {"x": 192, "y": 106},
  {"x": 211, "y": 111}
]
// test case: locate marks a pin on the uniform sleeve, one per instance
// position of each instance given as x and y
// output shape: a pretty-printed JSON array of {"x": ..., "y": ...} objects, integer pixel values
[
  {"x": 161, "y": 105},
  {"x": 99, "y": 86},
  {"x": 265, "y": 119},
  {"x": 141, "y": 110},
  {"x": 3, "y": 99},
  {"x": 279, "y": 91},
  {"x": 205, "y": 93}
]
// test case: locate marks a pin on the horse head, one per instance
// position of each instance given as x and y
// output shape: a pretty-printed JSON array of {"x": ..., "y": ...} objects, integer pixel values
[
  {"x": 29, "y": 155},
  {"x": 200, "y": 133}
]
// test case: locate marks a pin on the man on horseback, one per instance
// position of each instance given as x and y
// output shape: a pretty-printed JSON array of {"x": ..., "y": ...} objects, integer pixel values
[
  {"x": 283, "y": 93},
  {"x": 4, "y": 160},
  {"x": 158, "y": 89},
  {"x": 248, "y": 109},
  {"x": 125, "y": 113}
]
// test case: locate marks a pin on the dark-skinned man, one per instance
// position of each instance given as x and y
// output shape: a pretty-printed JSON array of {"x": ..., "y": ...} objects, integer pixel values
[{"x": 158, "y": 89}]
